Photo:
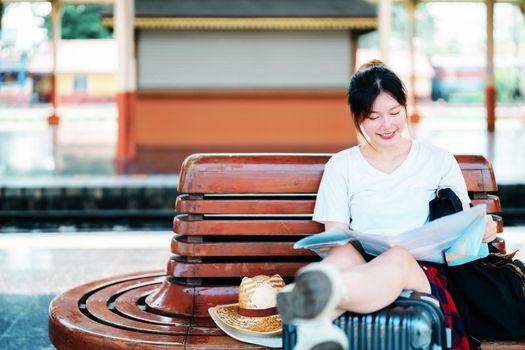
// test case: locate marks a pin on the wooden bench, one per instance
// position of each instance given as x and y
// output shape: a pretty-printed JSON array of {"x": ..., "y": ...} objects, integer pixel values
[{"x": 239, "y": 216}]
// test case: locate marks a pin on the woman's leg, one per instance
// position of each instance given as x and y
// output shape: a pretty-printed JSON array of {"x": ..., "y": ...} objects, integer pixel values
[
  {"x": 376, "y": 284},
  {"x": 344, "y": 257},
  {"x": 322, "y": 289}
]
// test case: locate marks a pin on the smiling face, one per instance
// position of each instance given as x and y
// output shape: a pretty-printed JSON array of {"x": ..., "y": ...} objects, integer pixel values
[{"x": 386, "y": 121}]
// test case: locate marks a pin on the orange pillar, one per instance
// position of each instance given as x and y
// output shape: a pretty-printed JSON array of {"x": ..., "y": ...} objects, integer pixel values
[
  {"x": 411, "y": 10},
  {"x": 490, "y": 85},
  {"x": 53, "y": 120},
  {"x": 56, "y": 8},
  {"x": 124, "y": 14}
]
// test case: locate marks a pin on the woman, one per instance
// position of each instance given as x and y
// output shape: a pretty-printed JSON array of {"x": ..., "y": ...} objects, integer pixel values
[{"x": 382, "y": 186}]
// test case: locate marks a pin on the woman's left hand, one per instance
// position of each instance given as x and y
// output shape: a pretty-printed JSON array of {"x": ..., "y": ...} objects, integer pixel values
[{"x": 490, "y": 229}]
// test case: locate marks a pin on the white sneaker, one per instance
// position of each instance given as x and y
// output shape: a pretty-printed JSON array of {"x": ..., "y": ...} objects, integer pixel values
[
  {"x": 320, "y": 335},
  {"x": 317, "y": 291}
]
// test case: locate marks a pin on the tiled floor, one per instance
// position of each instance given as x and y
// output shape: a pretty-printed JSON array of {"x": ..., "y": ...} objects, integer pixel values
[{"x": 35, "y": 268}]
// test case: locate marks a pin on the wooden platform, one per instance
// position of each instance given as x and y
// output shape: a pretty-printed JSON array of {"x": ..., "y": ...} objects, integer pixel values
[{"x": 111, "y": 314}]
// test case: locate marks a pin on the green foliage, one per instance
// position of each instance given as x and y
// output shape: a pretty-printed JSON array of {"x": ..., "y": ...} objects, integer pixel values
[
  {"x": 508, "y": 84},
  {"x": 80, "y": 22},
  {"x": 476, "y": 97}
]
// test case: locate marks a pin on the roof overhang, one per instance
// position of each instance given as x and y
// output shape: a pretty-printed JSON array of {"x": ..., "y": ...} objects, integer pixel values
[
  {"x": 258, "y": 23},
  {"x": 357, "y": 15}
]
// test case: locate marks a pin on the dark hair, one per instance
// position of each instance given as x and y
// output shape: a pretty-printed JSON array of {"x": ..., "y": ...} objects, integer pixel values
[{"x": 368, "y": 82}]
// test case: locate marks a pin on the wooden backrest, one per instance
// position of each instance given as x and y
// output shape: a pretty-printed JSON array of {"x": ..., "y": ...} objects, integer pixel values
[
  {"x": 270, "y": 196},
  {"x": 283, "y": 183}
]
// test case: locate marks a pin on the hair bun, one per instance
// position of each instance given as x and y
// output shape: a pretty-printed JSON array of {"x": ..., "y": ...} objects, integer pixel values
[{"x": 371, "y": 63}]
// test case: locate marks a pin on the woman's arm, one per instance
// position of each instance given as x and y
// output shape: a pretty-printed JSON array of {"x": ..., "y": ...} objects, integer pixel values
[{"x": 331, "y": 224}]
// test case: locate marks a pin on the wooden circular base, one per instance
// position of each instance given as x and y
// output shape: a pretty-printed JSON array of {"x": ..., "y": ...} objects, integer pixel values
[{"x": 112, "y": 314}]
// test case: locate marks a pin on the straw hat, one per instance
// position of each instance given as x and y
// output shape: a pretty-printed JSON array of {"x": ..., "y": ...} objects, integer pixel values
[{"x": 256, "y": 312}]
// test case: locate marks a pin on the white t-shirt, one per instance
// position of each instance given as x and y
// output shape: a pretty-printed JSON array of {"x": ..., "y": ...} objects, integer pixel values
[{"x": 354, "y": 192}]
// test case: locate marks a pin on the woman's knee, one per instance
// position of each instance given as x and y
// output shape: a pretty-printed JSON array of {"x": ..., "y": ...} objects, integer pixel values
[
  {"x": 402, "y": 259},
  {"x": 345, "y": 256},
  {"x": 400, "y": 256}
]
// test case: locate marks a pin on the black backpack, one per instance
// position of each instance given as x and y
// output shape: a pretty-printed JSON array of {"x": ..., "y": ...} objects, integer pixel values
[{"x": 490, "y": 292}]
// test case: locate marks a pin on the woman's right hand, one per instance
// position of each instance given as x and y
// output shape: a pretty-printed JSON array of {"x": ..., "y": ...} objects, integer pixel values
[{"x": 490, "y": 229}]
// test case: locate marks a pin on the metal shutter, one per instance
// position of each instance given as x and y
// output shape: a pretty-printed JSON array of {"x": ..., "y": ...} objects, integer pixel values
[{"x": 243, "y": 59}]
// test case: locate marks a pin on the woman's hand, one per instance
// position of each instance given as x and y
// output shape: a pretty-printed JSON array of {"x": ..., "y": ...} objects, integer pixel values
[{"x": 490, "y": 229}]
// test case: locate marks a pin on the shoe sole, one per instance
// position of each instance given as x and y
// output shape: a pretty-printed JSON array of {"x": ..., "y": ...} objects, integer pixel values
[
  {"x": 328, "y": 345},
  {"x": 308, "y": 299}
]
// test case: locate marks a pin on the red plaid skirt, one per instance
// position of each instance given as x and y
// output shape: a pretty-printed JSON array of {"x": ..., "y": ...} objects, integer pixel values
[{"x": 437, "y": 277}]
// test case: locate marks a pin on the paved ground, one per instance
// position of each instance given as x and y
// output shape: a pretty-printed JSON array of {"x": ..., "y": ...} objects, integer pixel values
[{"x": 35, "y": 268}]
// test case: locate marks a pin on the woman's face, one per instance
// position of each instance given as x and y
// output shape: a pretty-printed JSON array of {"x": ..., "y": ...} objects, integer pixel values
[{"x": 386, "y": 121}]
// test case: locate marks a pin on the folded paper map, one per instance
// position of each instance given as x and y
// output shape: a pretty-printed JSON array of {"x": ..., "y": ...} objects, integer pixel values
[{"x": 455, "y": 239}]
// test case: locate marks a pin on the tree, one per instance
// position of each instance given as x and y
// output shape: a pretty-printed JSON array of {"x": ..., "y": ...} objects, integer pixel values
[{"x": 80, "y": 22}]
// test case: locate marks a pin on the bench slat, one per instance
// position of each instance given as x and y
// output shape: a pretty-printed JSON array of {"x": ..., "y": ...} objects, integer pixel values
[
  {"x": 493, "y": 203},
  {"x": 182, "y": 225},
  {"x": 251, "y": 173},
  {"x": 275, "y": 206},
  {"x": 233, "y": 269},
  {"x": 517, "y": 344},
  {"x": 218, "y": 342},
  {"x": 96, "y": 305},
  {"x": 299, "y": 173},
  {"x": 192, "y": 249},
  {"x": 244, "y": 206}
]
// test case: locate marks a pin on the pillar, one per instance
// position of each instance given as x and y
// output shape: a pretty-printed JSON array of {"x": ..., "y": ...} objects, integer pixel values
[
  {"x": 56, "y": 9},
  {"x": 411, "y": 11},
  {"x": 354, "y": 36},
  {"x": 385, "y": 28},
  {"x": 124, "y": 15},
  {"x": 490, "y": 85}
]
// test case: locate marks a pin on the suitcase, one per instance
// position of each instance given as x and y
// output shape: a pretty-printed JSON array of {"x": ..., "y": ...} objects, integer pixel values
[{"x": 413, "y": 321}]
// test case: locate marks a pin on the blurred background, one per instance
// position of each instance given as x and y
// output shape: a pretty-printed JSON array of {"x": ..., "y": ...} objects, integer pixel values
[
  {"x": 91, "y": 120},
  {"x": 101, "y": 101}
]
